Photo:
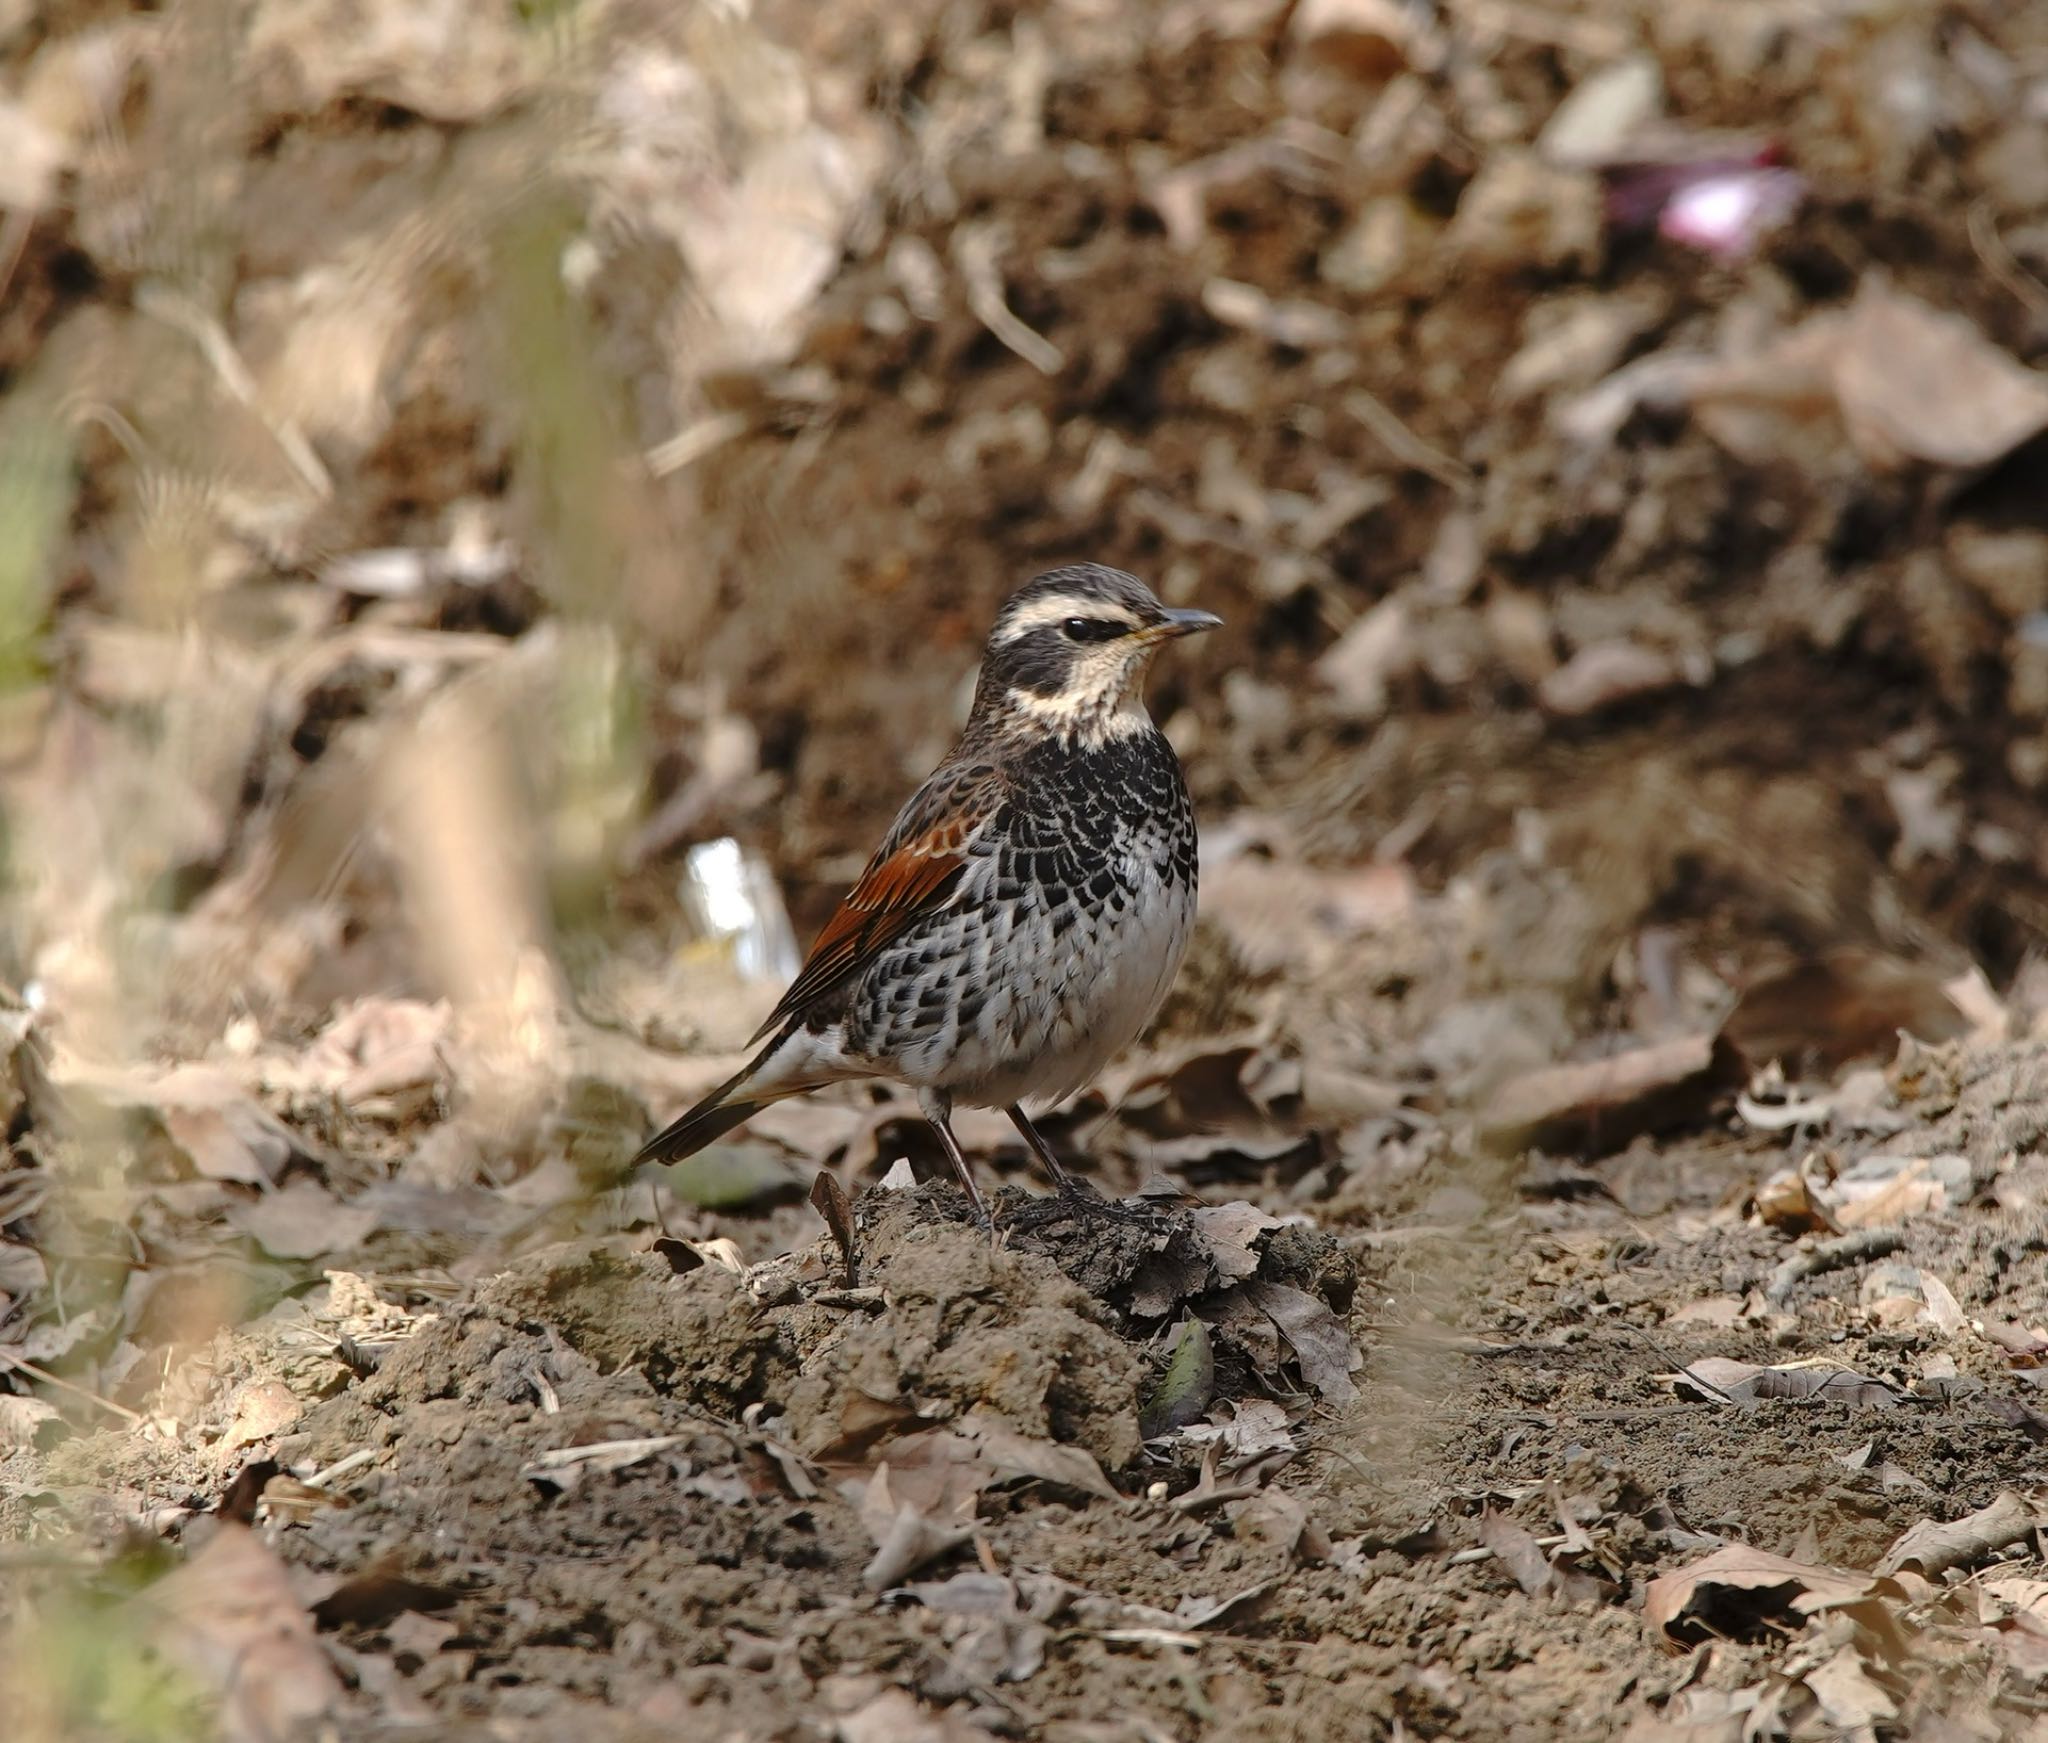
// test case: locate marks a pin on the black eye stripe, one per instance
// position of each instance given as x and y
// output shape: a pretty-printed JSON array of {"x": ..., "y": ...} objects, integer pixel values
[{"x": 1093, "y": 629}]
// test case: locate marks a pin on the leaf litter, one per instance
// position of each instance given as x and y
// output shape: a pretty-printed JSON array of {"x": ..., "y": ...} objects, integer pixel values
[{"x": 1598, "y": 738}]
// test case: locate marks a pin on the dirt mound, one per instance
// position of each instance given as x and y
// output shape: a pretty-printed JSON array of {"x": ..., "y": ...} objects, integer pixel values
[{"x": 488, "y": 485}]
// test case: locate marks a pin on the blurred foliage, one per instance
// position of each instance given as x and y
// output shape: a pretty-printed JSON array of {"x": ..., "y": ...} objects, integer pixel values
[
  {"x": 77, "y": 1670},
  {"x": 575, "y": 472}
]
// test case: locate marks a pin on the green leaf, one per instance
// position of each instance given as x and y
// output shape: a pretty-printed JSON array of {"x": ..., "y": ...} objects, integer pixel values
[
  {"x": 733, "y": 1177},
  {"x": 1187, "y": 1386}
]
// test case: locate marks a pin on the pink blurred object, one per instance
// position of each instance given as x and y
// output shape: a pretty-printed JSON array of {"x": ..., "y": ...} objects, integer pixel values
[
  {"x": 1722, "y": 204},
  {"x": 1728, "y": 213}
]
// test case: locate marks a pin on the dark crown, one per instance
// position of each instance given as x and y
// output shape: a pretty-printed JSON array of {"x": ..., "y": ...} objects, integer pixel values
[{"x": 1085, "y": 584}]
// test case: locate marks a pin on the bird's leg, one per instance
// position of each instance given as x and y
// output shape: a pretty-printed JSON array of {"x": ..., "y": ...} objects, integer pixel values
[
  {"x": 938, "y": 1109},
  {"x": 1063, "y": 1182}
]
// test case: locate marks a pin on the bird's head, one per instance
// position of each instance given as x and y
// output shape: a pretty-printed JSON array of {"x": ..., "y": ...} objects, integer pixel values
[{"x": 1069, "y": 652}]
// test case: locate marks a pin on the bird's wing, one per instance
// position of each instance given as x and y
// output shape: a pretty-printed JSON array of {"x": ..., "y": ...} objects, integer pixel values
[{"x": 914, "y": 873}]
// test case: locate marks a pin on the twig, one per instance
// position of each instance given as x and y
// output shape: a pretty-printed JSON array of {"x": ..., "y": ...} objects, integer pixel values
[
  {"x": 23, "y": 1366},
  {"x": 691, "y": 443},
  {"x": 1484, "y": 1552},
  {"x": 341, "y": 1468},
  {"x": 1200, "y": 1500},
  {"x": 611, "y": 1454},
  {"x": 2000, "y": 261},
  {"x": 13, "y": 242},
  {"x": 219, "y": 351},
  {"x": 1404, "y": 444},
  {"x": 974, "y": 247},
  {"x": 1707, "y": 1386},
  {"x": 1851, "y": 1249}
]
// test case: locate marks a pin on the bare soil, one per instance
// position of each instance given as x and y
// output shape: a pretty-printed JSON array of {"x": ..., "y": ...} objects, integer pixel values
[{"x": 1450, "y": 857}]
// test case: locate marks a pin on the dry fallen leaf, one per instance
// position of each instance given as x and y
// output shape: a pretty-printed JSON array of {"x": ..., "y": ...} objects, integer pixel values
[
  {"x": 1281, "y": 1521},
  {"x": 1232, "y": 1231},
  {"x": 1823, "y": 1014},
  {"x": 1933, "y": 1546},
  {"x": 1794, "y": 1201},
  {"x": 224, "y": 1143},
  {"x": 1605, "y": 673},
  {"x": 1718, "y": 1311},
  {"x": 1895, "y": 1294},
  {"x": 22, "y": 1270},
  {"x": 1723, "y": 1378},
  {"x": 303, "y": 1220},
  {"x": 1196, "y": 1612},
  {"x": 1850, "y": 1699},
  {"x": 905, "y": 1539},
  {"x": 378, "y": 1050},
  {"x": 1011, "y": 1455},
  {"x": 1367, "y": 658},
  {"x": 262, "y": 1408},
  {"x": 894, "y": 1716},
  {"x": 206, "y": 1112},
  {"x": 448, "y": 62},
  {"x": 1281, "y": 914},
  {"x": 1891, "y": 377},
  {"x": 1517, "y": 1550},
  {"x": 1731, "y": 1590},
  {"x": 2025, "y": 1595},
  {"x": 1601, "y": 1104},
  {"x": 919, "y": 1497},
  {"x": 1249, "y": 1429},
  {"x": 1316, "y": 1335},
  {"x": 988, "y": 1637},
  {"x": 1892, "y": 1190},
  {"x": 2025, "y": 1346},
  {"x": 1917, "y": 383},
  {"x": 230, "y": 1618},
  {"x": 20, "y": 1418}
]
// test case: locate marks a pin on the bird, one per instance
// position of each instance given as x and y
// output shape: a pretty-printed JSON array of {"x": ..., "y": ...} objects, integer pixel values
[{"x": 1026, "y": 913}]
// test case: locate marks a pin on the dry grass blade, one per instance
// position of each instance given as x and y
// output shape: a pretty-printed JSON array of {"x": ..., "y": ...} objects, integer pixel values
[{"x": 977, "y": 248}]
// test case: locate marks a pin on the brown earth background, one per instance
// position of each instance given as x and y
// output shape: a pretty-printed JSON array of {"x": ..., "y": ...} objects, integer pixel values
[{"x": 1569, "y": 1261}]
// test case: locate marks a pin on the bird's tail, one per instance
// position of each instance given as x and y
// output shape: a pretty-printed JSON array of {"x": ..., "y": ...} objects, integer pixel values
[
  {"x": 724, "y": 1108},
  {"x": 776, "y": 1072}
]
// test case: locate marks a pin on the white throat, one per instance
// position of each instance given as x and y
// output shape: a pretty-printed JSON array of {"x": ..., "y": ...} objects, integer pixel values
[{"x": 1088, "y": 720}]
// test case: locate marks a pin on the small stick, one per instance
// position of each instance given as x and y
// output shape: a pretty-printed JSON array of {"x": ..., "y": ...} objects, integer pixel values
[
  {"x": 974, "y": 249},
  {"x": 2001, "y": 262},
  {"x": 1199, "y": 1500},
  {"x": 1466, "y": 1557},
  {"x": 1404, "y": 444},
  {"x": 22, "y": 1365},
  {"x": 1706, "y": 1386},
  {"x": 341, "y": 1467},
  {"x": 1850, "y": 1249},
  {"x": 219, "y": 351}
]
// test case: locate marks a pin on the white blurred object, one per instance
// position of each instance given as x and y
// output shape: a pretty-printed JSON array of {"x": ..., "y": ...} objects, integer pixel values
[
  {"x": 730, "y": 894},
  {"x": 1728, "y": 213}
]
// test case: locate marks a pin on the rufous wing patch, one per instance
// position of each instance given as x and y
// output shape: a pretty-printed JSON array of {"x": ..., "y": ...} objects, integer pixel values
[{"x": 900, "y": 884}]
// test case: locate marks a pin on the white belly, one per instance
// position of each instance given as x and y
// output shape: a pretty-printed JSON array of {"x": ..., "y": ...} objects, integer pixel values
[{"x": 1061, "y": 1005}]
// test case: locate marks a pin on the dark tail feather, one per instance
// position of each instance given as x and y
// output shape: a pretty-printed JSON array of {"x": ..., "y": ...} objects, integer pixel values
[{"x": 705, "y": 1123}]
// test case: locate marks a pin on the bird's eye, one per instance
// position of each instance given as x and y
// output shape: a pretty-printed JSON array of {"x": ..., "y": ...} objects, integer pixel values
[{"x": 1092, "y": 629}]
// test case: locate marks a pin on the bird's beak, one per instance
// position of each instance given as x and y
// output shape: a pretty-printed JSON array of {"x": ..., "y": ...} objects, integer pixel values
[{"x": 1179, "y": 623}]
